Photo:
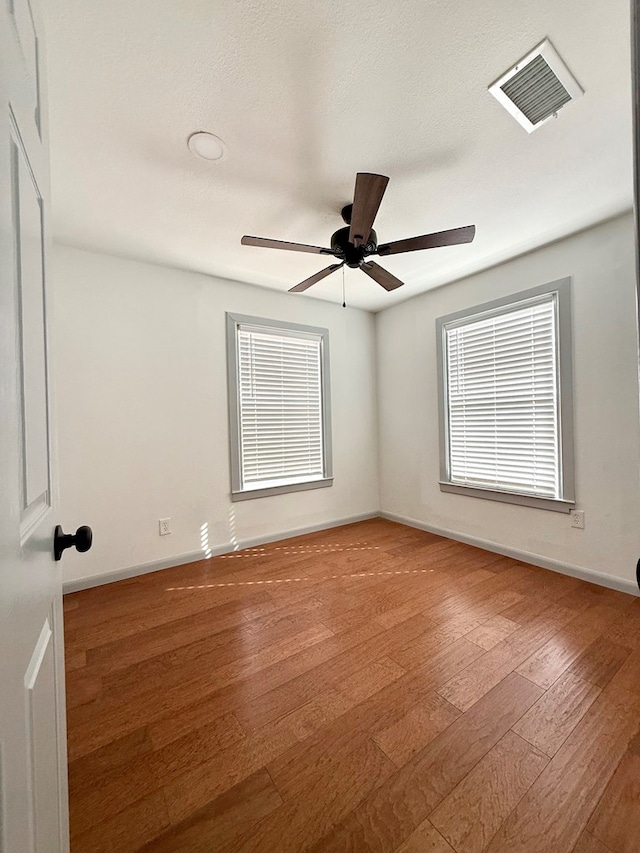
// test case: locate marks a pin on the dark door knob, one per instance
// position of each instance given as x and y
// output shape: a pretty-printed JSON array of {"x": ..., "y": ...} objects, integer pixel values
[{"x": 80, "y": 540}]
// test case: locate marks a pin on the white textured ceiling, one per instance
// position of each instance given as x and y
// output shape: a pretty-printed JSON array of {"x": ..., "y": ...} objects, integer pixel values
[{"x": 307, "y": 93}]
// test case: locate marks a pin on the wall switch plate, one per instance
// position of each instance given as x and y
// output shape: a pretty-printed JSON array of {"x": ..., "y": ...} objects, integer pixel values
[
  {"x": 164, "y": 526},
  {"x": 576, "y": 518}
]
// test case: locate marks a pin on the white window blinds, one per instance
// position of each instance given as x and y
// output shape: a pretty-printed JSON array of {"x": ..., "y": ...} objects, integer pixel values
[
  {"x": 503, "y": 397},
  {"x": 280, "y": 407}
]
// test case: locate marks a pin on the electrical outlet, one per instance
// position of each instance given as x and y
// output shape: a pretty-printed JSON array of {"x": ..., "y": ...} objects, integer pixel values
[
  {"x": 164, "y": 526},
  {"x": 576, "y": 518}
]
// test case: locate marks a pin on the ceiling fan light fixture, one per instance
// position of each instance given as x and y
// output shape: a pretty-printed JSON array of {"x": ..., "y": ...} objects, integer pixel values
[{"x": 207, "y": 145}]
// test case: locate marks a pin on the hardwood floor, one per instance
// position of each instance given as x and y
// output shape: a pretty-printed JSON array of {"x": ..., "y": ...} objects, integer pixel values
[{"x": 367, "y": 688}]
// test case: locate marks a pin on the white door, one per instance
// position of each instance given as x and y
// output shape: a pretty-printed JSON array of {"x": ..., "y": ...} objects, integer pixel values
[{"x": 33, "y": 806}]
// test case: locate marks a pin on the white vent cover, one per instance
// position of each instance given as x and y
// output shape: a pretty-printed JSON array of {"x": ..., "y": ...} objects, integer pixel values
[{"x": 537, "y": 87}]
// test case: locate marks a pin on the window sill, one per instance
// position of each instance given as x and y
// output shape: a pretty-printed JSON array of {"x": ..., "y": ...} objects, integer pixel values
[
  {"x": 249, "y": 494},
  {"x": 553, "y": 504}
]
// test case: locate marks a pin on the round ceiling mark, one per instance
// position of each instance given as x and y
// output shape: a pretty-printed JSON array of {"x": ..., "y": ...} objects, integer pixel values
[{"x": 207, "y": 145}]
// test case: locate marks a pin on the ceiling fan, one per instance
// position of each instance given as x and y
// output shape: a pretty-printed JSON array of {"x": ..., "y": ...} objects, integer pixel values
[{"x": 353, "y": 244}]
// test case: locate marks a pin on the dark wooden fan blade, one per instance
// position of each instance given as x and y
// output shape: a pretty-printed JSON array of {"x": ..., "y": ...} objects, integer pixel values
[
  {"x": 366, "y": 201},
  {"x": 429, "y": 241},
  {"x": 265, "y": 243},
  {"x": 381, "y": 275},
  {"x": 314, "y": 278}
]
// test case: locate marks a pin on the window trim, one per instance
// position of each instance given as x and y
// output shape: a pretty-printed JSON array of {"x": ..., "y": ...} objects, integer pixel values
[
  {"x": 562, "y": 289},
  {"x": 237, "y": 492}
]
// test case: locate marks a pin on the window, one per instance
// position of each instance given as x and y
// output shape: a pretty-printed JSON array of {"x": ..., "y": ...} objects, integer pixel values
[
  {"x": 278, "y": 407},
  {"x": 506, "y": 410}
]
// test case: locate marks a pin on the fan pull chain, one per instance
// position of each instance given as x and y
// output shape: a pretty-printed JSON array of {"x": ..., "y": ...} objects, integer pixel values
[{"x": 344, "y": 301}]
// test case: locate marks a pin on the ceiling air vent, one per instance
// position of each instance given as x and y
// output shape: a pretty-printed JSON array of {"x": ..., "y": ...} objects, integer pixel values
[{"x": 537, "y": 87}]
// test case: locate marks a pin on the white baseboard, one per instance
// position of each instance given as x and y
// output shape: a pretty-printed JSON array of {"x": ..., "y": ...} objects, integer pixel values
[
  {"x": 599, "y": 578},
  {"x": 524, "y": 556},
  {"x": 180, "y": 559}
]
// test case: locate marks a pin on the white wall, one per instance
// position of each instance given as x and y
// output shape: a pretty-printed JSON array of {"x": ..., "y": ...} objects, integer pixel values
[
  {"x": 601, "y": 264},
  {"x": 140, "y": 385},
  {"x": 141, "y": 400}
]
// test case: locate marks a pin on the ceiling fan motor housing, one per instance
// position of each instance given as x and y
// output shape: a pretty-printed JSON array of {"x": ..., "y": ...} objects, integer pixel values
[{"x": 353, "y": 256}]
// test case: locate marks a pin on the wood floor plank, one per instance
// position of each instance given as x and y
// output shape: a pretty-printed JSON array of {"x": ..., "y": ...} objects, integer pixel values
[
  {"x": 202, "y": 780},
  {"x": 74, "y": 659},
  {"x": 183, "y": 633},
  {"x": 470, "y": 685},
  {"x": 83, "y": 686},
  {"x": 289, "y": 694},
  {"x": 330, "y": 794},
  {"x": 262, "y": 698},
  {"x": 370, "y": 679},
  {"x": 233, "y": 661},
  {"x": 555, "y": 715},
  {"x": 588, "y": 844},
  {"x": 478, "y": 603},
  {"x": 628, "y": 676},
  {"x": 298, "y": 696},
  {"x": 551, "y": 586},
  {"x": 422, "y": 600},
  {"x": 526, "y": 608},
  {"x": 194, "y": 716},
  {"x": 616, "y": 820},
  {"x": 112, "y": 793},
  {"x": 556, "y": 808},
  {"x": 465, "y": 618},
  {"x": 161, "y": 611},
  {"x": 318, "y": 712},
  {"x": 389, "y": 815},
  {"x": 626, "y": 630},
  {"x": 222, "y": 821},
  {"x": 85, "y": 771},
  {"x": 386, "y": 642},
  {"x": 142, "y": 775},
  {"x": 600, "y": 662},
  {"x": 92, "y": 727},
  {"x": 402, "y": 739},
  {"x": 619, "y": 601},
  {"x": 491, "y": 632},
  {"x": 128, "y": 830},
  {"x": 425, "y": 839},
  {"x": 221, "y": 731},
  {"x": 548, "y": 663},
  {"x": 293, "y": 766},
  {"x": 147, "y": 597},
  {"x": 347, "y": 620},
  {"x": 476, "y": 808}
]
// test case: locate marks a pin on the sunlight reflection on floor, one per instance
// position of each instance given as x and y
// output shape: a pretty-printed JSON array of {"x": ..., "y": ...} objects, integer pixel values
[
  {"x": 298, "y": 549},
  {"x": 298, "y": 580}
]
